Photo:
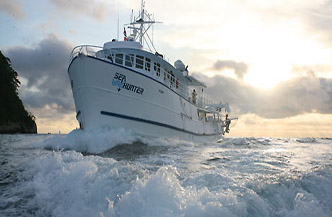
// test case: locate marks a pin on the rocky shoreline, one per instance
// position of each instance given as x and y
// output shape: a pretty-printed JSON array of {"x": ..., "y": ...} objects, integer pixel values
[{"x": 17, "y": 127}]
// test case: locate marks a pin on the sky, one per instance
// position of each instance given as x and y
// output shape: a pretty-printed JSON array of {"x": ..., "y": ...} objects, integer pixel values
[{"x": 270, "y": 60}]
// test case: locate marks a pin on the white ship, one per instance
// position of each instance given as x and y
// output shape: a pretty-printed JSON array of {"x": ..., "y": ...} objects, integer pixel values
[{"x": 123, "y": 85}]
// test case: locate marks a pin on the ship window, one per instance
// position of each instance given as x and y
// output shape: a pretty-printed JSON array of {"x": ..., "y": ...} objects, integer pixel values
[
  {"x": 172, "y": 78},
  {"x": 202, "y": 116},
  {"x": 139, "y": 61},
  {"x": 156, "y": 68},
  {"x": 119, "y": 58},
  {"x": 210, "y": 117},
  {"x": 147, "y": 64},
  {"x": 129, "y": 60},
  {"x": 110, "y": 57}
]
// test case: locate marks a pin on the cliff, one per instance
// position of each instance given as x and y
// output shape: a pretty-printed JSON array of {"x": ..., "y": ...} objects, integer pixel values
[{"x": 13, "y": 116}]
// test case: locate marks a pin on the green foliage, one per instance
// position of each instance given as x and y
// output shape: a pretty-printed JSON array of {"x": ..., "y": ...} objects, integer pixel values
[{"x": 11, "y": 107}]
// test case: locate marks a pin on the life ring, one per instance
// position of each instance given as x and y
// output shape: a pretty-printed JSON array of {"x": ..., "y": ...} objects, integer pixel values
[{"x": 177, "y": 83}]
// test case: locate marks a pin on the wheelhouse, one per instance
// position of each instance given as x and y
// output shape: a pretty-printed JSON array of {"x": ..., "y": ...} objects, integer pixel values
[{"x": 130, "y": 55}]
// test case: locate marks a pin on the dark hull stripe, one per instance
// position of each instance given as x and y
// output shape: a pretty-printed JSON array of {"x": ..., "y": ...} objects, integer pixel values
[{"x": 153, "y": 122}]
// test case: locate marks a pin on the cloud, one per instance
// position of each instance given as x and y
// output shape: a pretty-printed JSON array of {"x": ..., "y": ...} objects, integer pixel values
[
  {"x": 93, "y": 8},
  {"x": 12, "y": 7},
  {"x": 313, "y": 124},
  {"x": 240, "y": 68},
  {"x": 44, "y": 66},
  {"x": 314, "y": 17},
  {"x": 319, "y": 19},
  {"x": 305, "y": 94}
]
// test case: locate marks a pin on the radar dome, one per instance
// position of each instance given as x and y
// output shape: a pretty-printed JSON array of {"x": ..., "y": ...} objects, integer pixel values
[{"x": 180, "y": 65}]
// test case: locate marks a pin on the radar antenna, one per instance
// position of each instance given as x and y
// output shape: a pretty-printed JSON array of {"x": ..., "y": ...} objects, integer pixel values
[{"x": 139, "y": 27}]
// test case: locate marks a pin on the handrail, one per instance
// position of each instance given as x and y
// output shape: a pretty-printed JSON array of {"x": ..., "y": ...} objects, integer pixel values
[
  {"x": 83, "y": 49},
  {"x": 171, "y": 81}
]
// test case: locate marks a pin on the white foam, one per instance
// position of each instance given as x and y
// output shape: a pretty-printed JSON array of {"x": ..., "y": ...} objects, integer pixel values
[
  {"x": 100, "y": 140},
  {"x": 93, "y": 141},
  {"x": 234, "y": 142},
  {"x": 163, "y": 195},
  {"x": 306, "y": 205},
  {"x": 70, "y": 184},
  {"x": 66, "y": 183}
]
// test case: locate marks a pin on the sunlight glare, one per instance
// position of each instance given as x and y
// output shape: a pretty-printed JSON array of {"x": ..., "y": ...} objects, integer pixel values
[{"x": 262, "y": 75}]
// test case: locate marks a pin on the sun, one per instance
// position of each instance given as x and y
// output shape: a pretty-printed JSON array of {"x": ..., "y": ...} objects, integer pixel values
[{"x": 265, "y": 76}]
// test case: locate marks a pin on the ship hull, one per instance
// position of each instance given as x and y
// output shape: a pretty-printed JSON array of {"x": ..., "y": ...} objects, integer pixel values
[{"x": 109, "y": 95}]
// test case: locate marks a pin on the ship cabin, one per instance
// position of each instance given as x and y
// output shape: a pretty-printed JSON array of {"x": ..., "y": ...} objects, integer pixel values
[{"x": 131, "y": 55}]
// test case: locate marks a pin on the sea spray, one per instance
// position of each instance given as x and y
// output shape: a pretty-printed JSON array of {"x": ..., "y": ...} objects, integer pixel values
[
  {"x": 65, "y": 175},
  {"x": 93, "y": 141}
]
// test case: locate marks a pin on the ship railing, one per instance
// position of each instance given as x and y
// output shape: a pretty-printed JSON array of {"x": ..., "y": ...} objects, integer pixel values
[
  {"x": 88, "y": 50},
  {"x": 184, "y": 90}
]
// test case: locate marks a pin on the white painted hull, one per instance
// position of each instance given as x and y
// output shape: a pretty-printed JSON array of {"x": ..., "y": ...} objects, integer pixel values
[{"x": 148, "y": 107}]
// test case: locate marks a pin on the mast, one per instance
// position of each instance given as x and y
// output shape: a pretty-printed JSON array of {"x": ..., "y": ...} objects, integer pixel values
[
  {"x": 141, "y": 19},
  {"x": 118, "y": 21},
  {"x": 140, "y": 26}
]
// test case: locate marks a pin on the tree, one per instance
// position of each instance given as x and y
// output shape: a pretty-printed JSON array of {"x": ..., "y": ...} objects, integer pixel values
[{"x": 12, "y": 110}]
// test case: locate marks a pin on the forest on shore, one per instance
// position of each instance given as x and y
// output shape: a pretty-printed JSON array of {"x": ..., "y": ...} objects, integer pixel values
[{"x": 13, "y": 116}]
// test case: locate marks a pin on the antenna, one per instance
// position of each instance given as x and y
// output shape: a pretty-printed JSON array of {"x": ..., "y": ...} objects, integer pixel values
[
  {"x": 118, "y": 21},
  {"x": 152, "y": 29},
  {"x": 131, "y": 19},
  {"x": 140, "y": 26},
  {"x": 142, "y": 19}
]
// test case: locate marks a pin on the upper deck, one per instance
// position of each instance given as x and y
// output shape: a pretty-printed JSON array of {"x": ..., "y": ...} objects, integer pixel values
[
  {"x": 129, "y": 55},
  {"x": 122, "y": 44}
]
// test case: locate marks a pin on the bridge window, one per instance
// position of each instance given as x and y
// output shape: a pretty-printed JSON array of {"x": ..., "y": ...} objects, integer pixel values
[
  {"x": 172, "y": 78},
  {"x": 119, "y": 58},
  {"x": 139, "y": 61},
  {"x": 129, "y": 60},
  {"x": 156, "y": 68},
  {"x": 210, "y": 117},
  {"x": 202, "y": 116},
  {"x": 147, "y": 64}
]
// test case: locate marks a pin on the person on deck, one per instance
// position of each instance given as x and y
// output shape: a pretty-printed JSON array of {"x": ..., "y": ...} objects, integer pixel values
[
  {"x": 227, "y": 123},
  {"x": 194, "y": 94}
]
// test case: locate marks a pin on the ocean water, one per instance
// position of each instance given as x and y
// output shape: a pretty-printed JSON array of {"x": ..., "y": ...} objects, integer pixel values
[{"x": 115, "y": 173}]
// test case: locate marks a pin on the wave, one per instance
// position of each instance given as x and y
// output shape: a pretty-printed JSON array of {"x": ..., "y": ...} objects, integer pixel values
[
  {"x": 70, "y": 184},
  {"x": 306, "y": 140},
  {"x": 247, "y": 142},
  {"x": 101, "y": 140},
  {"x": 94, "y": 141}
]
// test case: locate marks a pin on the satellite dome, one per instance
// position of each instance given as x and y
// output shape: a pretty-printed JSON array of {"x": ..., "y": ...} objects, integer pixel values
[{"x": 179, "y": 65}]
